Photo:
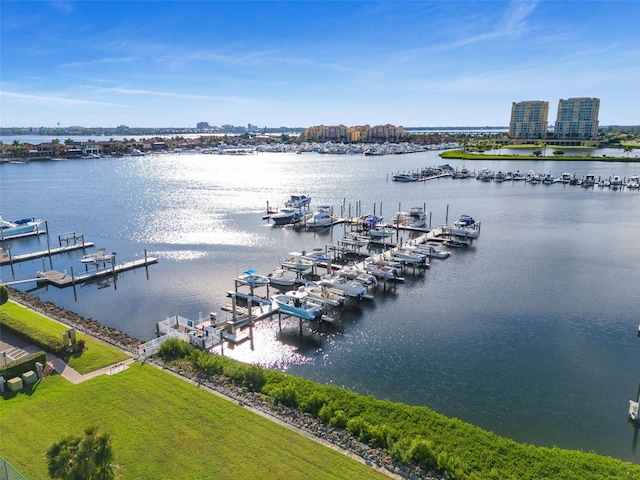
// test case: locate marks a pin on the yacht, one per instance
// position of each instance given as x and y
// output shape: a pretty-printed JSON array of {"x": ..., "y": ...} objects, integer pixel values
[
  {"x": 321, "y": 217},
  {"x": 21, "y": 228}
]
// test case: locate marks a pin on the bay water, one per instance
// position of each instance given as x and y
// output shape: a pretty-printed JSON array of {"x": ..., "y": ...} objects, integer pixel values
[{"x": 530, "y": 333}]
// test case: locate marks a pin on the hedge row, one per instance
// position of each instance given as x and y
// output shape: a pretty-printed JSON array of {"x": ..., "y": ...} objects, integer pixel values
[{"x": 48, "y": 343}]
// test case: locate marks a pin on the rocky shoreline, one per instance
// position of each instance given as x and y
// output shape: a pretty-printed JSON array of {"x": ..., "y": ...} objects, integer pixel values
[{"x": 374, "y": 457}]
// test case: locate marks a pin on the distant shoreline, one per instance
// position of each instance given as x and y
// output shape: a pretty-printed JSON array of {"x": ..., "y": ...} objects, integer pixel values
[{"x": 460, "y": 155}]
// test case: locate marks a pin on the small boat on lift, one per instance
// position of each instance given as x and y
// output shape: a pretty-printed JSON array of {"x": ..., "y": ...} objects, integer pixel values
[
  {"x": 284, "y": 279},
  {"x": 21, "y": 228},
  {"x": 297, "y": 262},
  {"x": 297, "y": 303},
  {"x": 252, "y": 279}
]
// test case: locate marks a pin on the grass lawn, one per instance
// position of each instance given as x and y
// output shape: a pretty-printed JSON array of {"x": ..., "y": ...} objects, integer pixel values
[
  {"x": 162, "y": 427},
  {"x": 96, "y": 355}
]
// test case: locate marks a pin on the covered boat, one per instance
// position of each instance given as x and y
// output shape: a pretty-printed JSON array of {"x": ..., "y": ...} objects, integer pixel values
[{"x": 21, "y": 228}]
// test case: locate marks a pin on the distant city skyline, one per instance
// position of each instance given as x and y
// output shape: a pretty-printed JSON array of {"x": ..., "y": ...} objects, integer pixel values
[{"x": 299, "y": 64}]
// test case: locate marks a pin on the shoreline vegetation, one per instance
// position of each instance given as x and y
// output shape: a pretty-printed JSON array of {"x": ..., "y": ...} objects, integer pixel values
[
  {"x": 463, "y": 155},
  {"x": 403, "y": 441}
]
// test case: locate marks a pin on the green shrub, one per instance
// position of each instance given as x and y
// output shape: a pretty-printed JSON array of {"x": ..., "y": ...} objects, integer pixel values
[
  {"x": 339, "y": 420},
  {"x": 314, "y": 403},
  {"x": 284, "y": 396},
  {"x": 174, "y": 349},
  {"x": 359, "y": 427}
]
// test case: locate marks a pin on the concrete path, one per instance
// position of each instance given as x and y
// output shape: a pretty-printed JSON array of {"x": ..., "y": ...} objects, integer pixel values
[{"x": 73, "y": 376}]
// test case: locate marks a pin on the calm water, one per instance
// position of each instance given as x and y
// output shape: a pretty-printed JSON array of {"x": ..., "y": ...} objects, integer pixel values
[{"x": 530, "y": 333}]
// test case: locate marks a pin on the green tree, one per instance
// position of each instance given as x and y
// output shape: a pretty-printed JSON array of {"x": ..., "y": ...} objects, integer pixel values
[
  {"x": 68, "y": 141},
  {"x": 558, "y": 153},
  {"x": 88, "y": 457},
  {"x": 627, "y": 149},
  {"x": 537, "y": 153},
  {"x": 4, "y": 294}
]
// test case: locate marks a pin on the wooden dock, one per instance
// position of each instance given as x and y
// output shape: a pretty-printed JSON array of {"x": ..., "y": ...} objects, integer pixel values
[
  {"x": 62, "y": 280},
  {"x": 6, "y": 259}
]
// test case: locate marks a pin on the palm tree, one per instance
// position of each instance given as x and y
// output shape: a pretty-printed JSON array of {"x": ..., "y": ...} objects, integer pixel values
[
  {"x": 82, "y": 458},
  {"x": 627, "y": 149}
]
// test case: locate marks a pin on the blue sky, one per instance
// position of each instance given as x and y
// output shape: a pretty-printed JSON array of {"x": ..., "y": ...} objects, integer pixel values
[{"x": 299, "y": 63}]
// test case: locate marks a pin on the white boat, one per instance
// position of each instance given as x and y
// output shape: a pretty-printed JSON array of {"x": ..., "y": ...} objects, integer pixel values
[
  {"x": 316, "y": 256},
  {"x": 136, "y": 153},
  {"x": 350, "y": 288},
  {"x": 353, "y": 273},
  {"x": 252, "y": 279},
  {"x": 428, "y": 250},
  {"x": 464, "y": 227},
  {"x": 283, "y": 279},
  {"x": 324, "y": 295},
  {"x": 297, "y": 303},
  {"x": 417, "y": 217},
  {"x": 633, "y": 411},
  {"x": 589, "y": 180},
  {"x": 616, "y": 182},
  {"x": 298, "y": 201},
  {"x": 287, "y": 216},
  {"x": 321, "y": 217},
  {"x": 634, "y": 182},
  {"x": 404, "y": 177},
  {"x": 566, "y": 177},
  {"x": 297, "y": 262},
  {"x": 384, "y": 272},
  {"x": 382, "y": 231},
  {"x": 409, "y": 256},
  {"x": 21, "y": 228}
]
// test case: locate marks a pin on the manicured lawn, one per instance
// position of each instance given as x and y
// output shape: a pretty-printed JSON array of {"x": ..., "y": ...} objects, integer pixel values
[
  {"x": 162, "y": 427},
  {"x": 96, "y": 355}
]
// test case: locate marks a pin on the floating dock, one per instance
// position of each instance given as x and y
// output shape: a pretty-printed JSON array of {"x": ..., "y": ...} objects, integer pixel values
[
  {"x": 62, "y": 280},
  {"x": 6, "y": 259}
]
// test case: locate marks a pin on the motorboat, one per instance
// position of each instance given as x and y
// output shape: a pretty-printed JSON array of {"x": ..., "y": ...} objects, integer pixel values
[
  {"x": 287, "y": 216},
  {"x": 357, "y": 274},
  {"x": 324, "y": 295},
  {"x": 428, "y": 250},
  {"x": 350, "y": 288},
  {"x": 456, "y": 243},
  {"x": 298, "y": 201},
  {"x": 297, "y": 303},
  {"x": 370, "y": 221},
  {"x": 297, "y": 262},
  {"x": 417, "y": 217},
  {"x": 252, "y": 279},
  {"x": 464, "y": 227},
  {"x": 400, "y": 218},
  {"x": 589, "y": 180},
  {"x": 382, "y": 231},
  {"x": 284, "y": 279},
  {"x": 136, "y": 153},
  {"x": 634, "y": 182},
  {"x": 404, "y": 177},
  {"x": 566, "y": 177},
  {"x": 316, "y": 256},
  {"x": 548, "y": 179},
  {"x": 21, "y": 228},
  {"x": 383, "y": 272},
  {"x": 408, "y": 256},
  {"x": 616, "y": 182},
  {"x": 321, "y": 217}
]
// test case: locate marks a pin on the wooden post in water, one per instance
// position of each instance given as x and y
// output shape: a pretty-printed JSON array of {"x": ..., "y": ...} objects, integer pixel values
[{"x": 446, "y": 218}]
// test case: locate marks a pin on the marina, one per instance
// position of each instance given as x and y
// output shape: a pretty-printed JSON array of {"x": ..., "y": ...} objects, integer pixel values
[{"x": 542, "y": 303}]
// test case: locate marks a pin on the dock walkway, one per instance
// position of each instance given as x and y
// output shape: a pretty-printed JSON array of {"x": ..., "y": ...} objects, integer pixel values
[
  {"x": 62, "y": 280},
  {"x": 6, "y": 259}
]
